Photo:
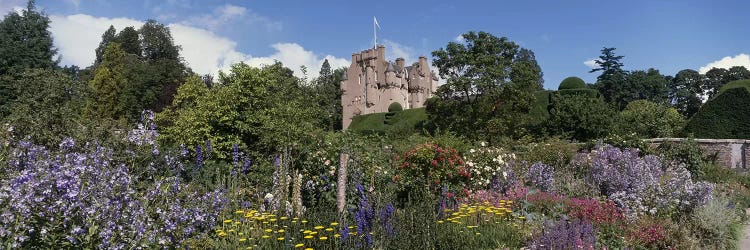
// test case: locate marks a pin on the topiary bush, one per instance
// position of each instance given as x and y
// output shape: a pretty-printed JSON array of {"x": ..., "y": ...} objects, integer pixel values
[
  {"x": 572, "y": 83},
  {"x": 395, "y": 107},
  {"x": 724, "y": 117},
  {"x": 647, "y": 119},
  {"x": 735, "y": 84}
]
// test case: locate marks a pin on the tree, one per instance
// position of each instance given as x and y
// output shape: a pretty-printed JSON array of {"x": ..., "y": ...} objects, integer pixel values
[
  {"x": 107, "y": 37},
  {"x": 718, "y": 77},
  {"x": 259, "y": 109},
  {"x": 525, "y": 71},
  {"x": 106, "y": 88},
  {"x": 327, "y": 92},
  {"x": 48, "y": 106},
  {"x": 157, "y": 42},
  {"x": 25, "y": 41},
  {"x": 648, "y": 119},
  {"x": 129, "y": 41},
  {"x": 479, "y": 98},
  {"x": 642, "y": 85},
  {"x": 580, "y": 117},
  {"x": 610, "y": 81},
  {"x": 685, "y": 91}
]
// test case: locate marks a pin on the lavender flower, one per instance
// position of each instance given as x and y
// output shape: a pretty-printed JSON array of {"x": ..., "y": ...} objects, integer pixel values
[
  {"x": 198, "y": 157},
  {"x": 565, "y": 235},
  {"x": 541, "y": 175},
  {"x": 386, "y": 219}
]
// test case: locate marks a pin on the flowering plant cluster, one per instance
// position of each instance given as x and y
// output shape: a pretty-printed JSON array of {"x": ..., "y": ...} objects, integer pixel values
[
  {"x": 541, "y": 175},
  {"x": 433, "y": 165},
  {"x": 642, "y": 184},
  {"x": 596, "y": 211},
  {"x": 490, "y": 166},
  {"x": 88, "y": 200},
  {"x": 563, "y": 234}
]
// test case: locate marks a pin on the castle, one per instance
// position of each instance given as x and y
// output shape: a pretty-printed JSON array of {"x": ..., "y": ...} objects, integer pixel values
[{"x": 372, "y": 84}]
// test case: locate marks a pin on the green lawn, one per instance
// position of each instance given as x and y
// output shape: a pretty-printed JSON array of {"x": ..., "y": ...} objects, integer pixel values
[{"x": 383, "y": 123}]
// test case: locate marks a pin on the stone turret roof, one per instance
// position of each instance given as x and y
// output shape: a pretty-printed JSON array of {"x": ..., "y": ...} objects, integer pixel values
[{"x": 390, "y": 68}]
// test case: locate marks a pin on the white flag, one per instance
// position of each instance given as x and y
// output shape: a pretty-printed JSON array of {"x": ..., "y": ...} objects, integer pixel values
[{"x": 376, "y": 22}]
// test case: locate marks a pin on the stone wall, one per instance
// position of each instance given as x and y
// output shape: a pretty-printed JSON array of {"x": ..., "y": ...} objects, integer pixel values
[{"x": 733, "y": 153}]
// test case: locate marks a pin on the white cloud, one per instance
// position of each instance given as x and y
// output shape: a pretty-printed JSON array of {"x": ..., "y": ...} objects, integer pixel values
[
  {"x": 77, "y": 36},
  {"x": 395, "y": 50},
  {"x": 591, "y": 63},
  {"x": 727, "y": 62},
  {"x": 227, "y": 13},
  {"x": 7, "y": 6}
]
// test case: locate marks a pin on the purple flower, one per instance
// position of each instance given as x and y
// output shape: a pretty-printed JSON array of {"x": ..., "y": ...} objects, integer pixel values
[
  {"x": 198, "y": 157},
  {"x": 541, "y": 175},
  {"x": 565, "y": 235}
]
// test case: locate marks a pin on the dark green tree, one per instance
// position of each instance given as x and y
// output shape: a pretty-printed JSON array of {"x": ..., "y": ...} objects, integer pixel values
[
  {"x": 643, "y": 85},
  {"x": 714, "y": 79},
  {"x": 157, "y": 42},
  {"x": 327, "y": 94},
  {"x": 580, "y": 117},
  {"x": 685, "y": 91},
  {"x": 129, "y": 41},
  {"x": 610, "y": 82},
  {"x": 25, "y": 41},
  {"x": 525, "y": 71},
  {"x": 107, "y": 37},
  {"x": 479, "y": 100}
]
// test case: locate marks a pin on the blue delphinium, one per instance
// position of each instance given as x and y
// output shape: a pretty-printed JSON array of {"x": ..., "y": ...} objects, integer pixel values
[{"x": 364, "y": 216}]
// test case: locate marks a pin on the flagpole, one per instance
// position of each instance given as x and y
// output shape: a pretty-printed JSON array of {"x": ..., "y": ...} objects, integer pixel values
[{"x": 374, "y": 32}]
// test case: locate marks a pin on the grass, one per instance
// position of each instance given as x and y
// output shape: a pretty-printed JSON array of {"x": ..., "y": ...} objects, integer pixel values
[{"x": 383, "y": 123}]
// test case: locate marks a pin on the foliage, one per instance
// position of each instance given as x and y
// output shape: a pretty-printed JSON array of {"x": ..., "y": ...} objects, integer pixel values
[
  {"x": 107, "y": 86},
  {"x": 723, "y": 117},
  {"x": 647, "y": 119},
  {"x": 541, "y": 176},
  {"x": 25, "y": 41},
  {"x": 400, "y": 124},
  {"x": 395, "y": 107},
  {"x": 48, "y": 106},
  {"x": 601, "y": 213},
  {"x": 735, "y": 84},
  {"x": 580, "y": 117},
  {"x": 714, "y": 223},
  {"x": 688, "y": 153},
  {"x": 540, "y": 108},
  {"x": 686, "y": 90},
  {"x": 572, "y": 83},
  {"x": 554, "y": 152},
  {"x": 716, "y": 78},
  {"x": 480, "y": 99},
  {"x": 259, "y": 109},
  {"x": 588, "y": 92},
  {"x": 490, "y": 168},
  {"x": 326, "y": 92}
]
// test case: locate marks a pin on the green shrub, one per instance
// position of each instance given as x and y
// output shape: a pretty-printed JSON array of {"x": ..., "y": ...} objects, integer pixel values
[
  {"x": 724, "y": 117},
  {"x": 540, "y": 108},
  {"x": 716, "y": 224},
  {"x": 554, "y": 152},
  {"x": 735, "y": 84},
  {"x": 686, "y": 152},
  {"x": 395, "y": 107},
  {"x": 591, "y": 93},
  {"x": 580, "y": 117},
  {"x": 648, "y": 119},
  {"x": 572, "y": 83}
]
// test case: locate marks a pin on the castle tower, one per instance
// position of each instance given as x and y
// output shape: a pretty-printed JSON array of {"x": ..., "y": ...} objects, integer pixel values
[{"x": 372, "y": 83}]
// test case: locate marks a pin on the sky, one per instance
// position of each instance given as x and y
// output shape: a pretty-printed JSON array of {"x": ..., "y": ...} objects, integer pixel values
[{"x": 565, "y": 35}]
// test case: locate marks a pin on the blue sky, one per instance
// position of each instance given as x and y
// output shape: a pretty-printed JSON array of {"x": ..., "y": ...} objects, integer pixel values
[{"x": 666, "y": 35}]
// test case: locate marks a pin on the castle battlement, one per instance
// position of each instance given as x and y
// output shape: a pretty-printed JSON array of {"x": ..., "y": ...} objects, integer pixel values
[{"x": 372, "y": 83}]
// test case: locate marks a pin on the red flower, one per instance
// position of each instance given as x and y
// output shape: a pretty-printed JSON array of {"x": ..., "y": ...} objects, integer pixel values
[{"x": 434, "y": 163}]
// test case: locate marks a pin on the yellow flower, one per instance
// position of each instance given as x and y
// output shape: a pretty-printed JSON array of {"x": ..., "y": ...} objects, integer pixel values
[
  {"x": 478, "y": 233},
  {"x": 313, "y": 233},
  {"x": 333, "y": 224},
  {"x": 440, "y": 222},
  {"x": 308, "y": 237},
  {"x": 318, "y": 227},
  {"x": 231, "y": 231},
  {"x": 329, "y": 229},
  {"x": 521, "y": 217},
  {"x": 309, "y": 248},
  {"x": 307, "y": 232},
  {"x": 237, "y": 223},
  {"x": 272, "y": 220},
  {"x": 337, "y": 235},
  {"x": 243, "y": 239},
  {"x": 304, "y": 221},
  {"x": 241, "y": 234},
  {"x": 283, "y": 218},
  {"x": 299, "y": 245},
  {"x": 351, "y": 227},
  {"x": 295, "y": 218},
  {"x": 227, "y": 221},
  {"x": 239, "y": 212},
  {"x": 268, "y": 230},
  {"x": 280, "y": 231},
  {"x": 222, "y": 234},
  {"x": 323, "y": 238},
  {"x": 266, "y": 236},
  {"x": 280, "y": 238}
]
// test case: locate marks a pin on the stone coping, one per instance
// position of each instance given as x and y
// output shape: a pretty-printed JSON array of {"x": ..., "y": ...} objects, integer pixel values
[{"x": 743, "y": 141}]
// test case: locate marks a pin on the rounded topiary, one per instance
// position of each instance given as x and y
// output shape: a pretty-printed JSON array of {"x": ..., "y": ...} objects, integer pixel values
[
  {"x": 572, "y": 83},
  {"x": 395, "y": 107},
  {"x": 735, "y": 84}
]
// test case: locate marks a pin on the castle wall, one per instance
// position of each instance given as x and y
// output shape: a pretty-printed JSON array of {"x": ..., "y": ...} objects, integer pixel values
[{"x": 372, "y": 84}]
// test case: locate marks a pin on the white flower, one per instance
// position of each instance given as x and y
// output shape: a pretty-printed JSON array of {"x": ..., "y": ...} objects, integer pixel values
[
  {"x": 505, "y": 175},
  {"x": 483, "y": 144},
  {"x": 472, "y": 150}
]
